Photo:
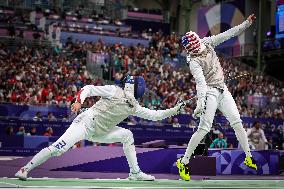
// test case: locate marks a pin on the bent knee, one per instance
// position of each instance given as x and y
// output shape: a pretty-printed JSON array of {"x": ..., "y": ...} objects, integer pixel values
[{"x": 127, "y": 138}]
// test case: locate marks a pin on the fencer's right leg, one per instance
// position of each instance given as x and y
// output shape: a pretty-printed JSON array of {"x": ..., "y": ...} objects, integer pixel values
[
  {"x": 73, "y": 134},
  {"x": 125, "y": 137},
  {"x": 205, "y": 124}
]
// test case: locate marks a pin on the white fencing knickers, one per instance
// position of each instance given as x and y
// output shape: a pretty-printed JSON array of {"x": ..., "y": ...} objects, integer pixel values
[
  {"x": 222, "y": 100},
  {"x": 82, "y": 129}
]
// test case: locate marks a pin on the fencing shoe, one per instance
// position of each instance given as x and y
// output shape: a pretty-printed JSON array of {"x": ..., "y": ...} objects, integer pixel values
[
  {"x": 183, "y": 170},
  {"x": 250, "y": 162},
  {"x": 141, "y": 176},
  {"x": 22, "y": 174}
]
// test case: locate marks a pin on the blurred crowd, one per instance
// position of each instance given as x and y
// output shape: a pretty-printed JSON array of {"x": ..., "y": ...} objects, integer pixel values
[
  {"x": 53, "y": 76},
  {"x": 39, "y": 76},
  {"x": 38, "y": 24}
]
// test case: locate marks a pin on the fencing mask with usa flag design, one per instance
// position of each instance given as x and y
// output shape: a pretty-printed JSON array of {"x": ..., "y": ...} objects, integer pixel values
[{"x": 192, "y": 43}]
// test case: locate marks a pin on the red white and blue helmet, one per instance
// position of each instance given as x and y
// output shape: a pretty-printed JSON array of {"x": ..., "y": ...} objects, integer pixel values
[{"x": 191, "y": 42}]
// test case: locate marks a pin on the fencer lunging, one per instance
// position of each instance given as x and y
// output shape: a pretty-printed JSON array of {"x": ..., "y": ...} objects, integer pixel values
[{"x": 99, "y": 123}]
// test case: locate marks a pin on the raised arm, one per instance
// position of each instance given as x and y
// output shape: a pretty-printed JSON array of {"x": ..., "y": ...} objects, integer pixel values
[
  {"x": 106, "y": 91},
  {"x": 215, "y": 40}
]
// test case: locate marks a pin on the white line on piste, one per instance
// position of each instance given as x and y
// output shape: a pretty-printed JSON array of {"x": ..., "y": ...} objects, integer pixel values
[
  {"x": 114, "y": 180},
  {"x": 94, "y": 179},
  {"x": 7, "y": 183},
  {"x": 143, "y": 187}
]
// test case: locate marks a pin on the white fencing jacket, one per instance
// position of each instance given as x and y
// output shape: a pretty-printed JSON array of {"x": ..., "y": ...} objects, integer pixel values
[
  {"x": 205, "y": 67},
  {"x": 114, "y": 107}
]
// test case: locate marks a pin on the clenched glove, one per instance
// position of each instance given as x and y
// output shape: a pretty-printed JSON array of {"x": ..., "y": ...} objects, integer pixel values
[
  {"x": 180, "y": 105},
  {"x": 200, "y": 108}
]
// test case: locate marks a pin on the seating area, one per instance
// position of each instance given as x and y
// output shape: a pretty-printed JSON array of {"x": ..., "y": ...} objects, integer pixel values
[{"x": 51, "y": 76}]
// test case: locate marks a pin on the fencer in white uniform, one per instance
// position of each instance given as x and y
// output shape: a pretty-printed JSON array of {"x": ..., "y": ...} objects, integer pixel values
[
  {"x": 99, "y": 123},
  {"x": 212, "y": 92}
]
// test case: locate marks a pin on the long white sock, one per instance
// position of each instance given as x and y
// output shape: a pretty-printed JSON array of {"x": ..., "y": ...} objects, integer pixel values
[
  {"x": 193, "y": 143},
  {"x": 242, "y": 138},
  {"x": 38, "y": 159},
  {"x": 130, "y": 153}
]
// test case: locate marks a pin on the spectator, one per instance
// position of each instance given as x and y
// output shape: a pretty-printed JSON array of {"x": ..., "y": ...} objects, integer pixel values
[
  {"x": 219, "y": 142},
  {"x": 192, "y": 124},
  {"x": 48, "y": 132},
  {"x": 65, "y": 118},
  {"x": 170, "y": 121},
  {"x": 9, "y": 131},
  {"x": 176, "y": 123},
  {"x": 256, "y": 137},
  {"x": 21, "y": 131},
  {"x": 11, "y": 29},
  {"x": 230, "y": 145},
  {"x": 51, "y": 117},
  {"x": 131, "y": 120},
  {"x": 270, "y": 144},
  {"x": 279, "y": 139},
  {"x": 32, "y": 132},
  {"x": 21, "y": 34},
  {"x": 37, "y": 117}
]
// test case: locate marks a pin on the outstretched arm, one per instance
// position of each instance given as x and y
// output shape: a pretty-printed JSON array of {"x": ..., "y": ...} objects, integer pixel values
[
  {"x": 155, "y": 115},
  {"x": 215, "y": 40},
  {"x": 91, "y": 90}
]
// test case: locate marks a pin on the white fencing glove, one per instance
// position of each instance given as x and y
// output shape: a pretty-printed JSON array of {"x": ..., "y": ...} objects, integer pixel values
[
  {"x": 180, "y": 105},
  {"x": 200, "y": 108}
]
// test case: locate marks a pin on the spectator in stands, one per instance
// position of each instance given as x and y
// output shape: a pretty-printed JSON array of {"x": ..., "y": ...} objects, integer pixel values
[
  {"x": 48, "y": 132},
  {"x": 21, "y": 34},
  {"x": 256, "y": 137},
  {"x": 9, "y": 131},
  {"x": 65, "y": 118},
  {"x": 278, "y": 140},
  {"x": 170, "y": 121},
  {"x": 51, "y": 117},
  {"x": 192, "y": 124},
  {"x": 37, "y": 117},
  {"x": 219, "y": 142},
  {"x": 131, "y": 120},
  {"x": 36, "y": 35},
  {"x": 230, "y": 145},
  {"x": 32, "y": 132},
  {"x": 176, "y": 123},
  {"x": 21, "y": 131},
  {"x": 11, "y": 29},
  {"x": 270, "y": 144}
]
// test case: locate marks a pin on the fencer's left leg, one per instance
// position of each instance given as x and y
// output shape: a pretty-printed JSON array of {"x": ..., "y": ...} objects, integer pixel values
[
  {"x": 73, "y": 134},
  {"x": 229, "y": 108},
  {"x": 125, "y": 136}
]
